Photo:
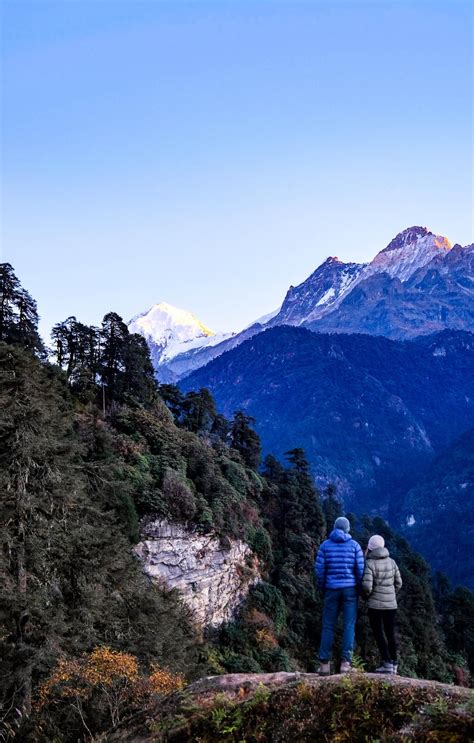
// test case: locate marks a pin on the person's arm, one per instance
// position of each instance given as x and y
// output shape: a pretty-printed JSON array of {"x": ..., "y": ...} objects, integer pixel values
[
  {"x": 359, "y": 563},
  {"x": 397, "y": 579},
  {"x": 320, "y": 568},
  {"x": 367, "y": 580}
]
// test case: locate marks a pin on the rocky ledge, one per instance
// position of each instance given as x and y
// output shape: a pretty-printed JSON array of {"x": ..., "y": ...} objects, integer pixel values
[{"x": 300, "y": 707}]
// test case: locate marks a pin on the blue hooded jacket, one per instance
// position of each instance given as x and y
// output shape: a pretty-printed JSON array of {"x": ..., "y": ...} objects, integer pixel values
[{"x": 340, "y": 562}]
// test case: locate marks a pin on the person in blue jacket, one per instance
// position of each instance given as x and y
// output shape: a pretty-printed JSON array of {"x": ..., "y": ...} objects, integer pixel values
[{"x": 339, "y": 570}]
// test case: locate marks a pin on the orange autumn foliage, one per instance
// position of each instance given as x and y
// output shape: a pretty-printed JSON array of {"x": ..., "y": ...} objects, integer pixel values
[
  {"x": 164, "y": 682},
  {"x": 102, "y": 667},
  {"x": 107, "y": 675}
]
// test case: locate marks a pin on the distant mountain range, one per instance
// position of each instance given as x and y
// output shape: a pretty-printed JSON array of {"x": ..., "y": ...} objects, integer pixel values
[
  {"x": 417, "y": 285},
  {"x": 371, "y": 413}
]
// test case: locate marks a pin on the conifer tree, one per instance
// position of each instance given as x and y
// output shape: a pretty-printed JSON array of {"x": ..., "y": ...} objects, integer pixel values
[
  {"x": 273, "y": 470},
  {"x": 332, "y": 507},
  {"x": 138, "y": 379},
  {"x": 245, "y": 439},
  {"x": 27, "y": 327},
  {"x": 221, "y": 428},
  {"x": 199, "y": 411},
  {"x": 18, "y": 312},
  {"x": 173, "y": 398},
  {"x": 113, "y": 338},
  {"x": 305, "y": 510},
  {"x": 9, "y": 290},
  {"x": 76, "y": 350}
]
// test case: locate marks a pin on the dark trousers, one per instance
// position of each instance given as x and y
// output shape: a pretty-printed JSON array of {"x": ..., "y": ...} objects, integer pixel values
[{"x": 382, "y": 622}]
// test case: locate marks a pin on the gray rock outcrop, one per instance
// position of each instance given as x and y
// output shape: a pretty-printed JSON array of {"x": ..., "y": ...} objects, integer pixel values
[{"x": 212, "y": 579}]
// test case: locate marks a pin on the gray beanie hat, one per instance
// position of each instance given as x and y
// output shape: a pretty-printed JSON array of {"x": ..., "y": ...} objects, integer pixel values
[
  {"x": 375, "y": 542},
  {"x": 342, "y": 523}
]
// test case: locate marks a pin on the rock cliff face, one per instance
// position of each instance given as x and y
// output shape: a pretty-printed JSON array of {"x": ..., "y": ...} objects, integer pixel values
[{"x": 213, "y": 580}]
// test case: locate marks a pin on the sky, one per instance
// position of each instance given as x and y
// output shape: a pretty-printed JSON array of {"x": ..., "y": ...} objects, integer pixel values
[{"x": 211, "y": 154}]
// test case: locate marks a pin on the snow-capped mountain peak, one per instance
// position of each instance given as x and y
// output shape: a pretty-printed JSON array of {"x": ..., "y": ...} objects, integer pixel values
[
  {"x": 407, "y": 252},
  {"x": 163, "y": 321},
  {"x": 171, "y": 330},
  {"x": 407, "y": 237}
]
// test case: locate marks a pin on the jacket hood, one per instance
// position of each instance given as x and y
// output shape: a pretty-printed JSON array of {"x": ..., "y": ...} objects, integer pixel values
[
  {"x": 337, "y": 535},
  {"x": 378, "y": 553}
]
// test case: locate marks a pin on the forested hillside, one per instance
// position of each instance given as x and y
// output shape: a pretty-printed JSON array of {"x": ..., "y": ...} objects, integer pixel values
[
  {"x": 371, "y": 413},
  {"x": 90, "y": 445},
  {"x": 439, "y": 511}
]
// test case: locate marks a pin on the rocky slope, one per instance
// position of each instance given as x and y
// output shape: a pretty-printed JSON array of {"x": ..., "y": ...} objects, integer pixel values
[
  {"x": 437, "y": 295},
  {"x": 212, "y": 579},
  {"x": 319, "y": 293},
  {"x": 370, "y": 413}
]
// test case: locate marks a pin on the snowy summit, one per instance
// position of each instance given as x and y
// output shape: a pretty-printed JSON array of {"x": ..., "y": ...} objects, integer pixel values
[
  {"x": 171, "y": 330},
  {"x": 408, "y": 251}
]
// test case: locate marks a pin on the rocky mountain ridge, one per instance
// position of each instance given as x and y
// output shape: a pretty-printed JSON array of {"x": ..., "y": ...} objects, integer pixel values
[
  {"x": 435, "y": 296},
  {"x": 418, "y": 284},
  {"x": 405, "y": 254}
]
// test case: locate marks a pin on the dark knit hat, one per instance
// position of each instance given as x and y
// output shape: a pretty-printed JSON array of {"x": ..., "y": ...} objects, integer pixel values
[{"x": 343, "y": 524}]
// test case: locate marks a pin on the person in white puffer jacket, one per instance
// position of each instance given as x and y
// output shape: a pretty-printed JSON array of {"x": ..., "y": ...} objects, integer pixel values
[{"x": 380, "y": 585}]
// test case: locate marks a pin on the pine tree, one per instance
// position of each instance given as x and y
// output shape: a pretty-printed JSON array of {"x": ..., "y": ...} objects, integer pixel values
[
  {"x": 199, "y": 411},
  {"x": 306, "y": 501},
  {"x": 9, "y": 291},
  {"x": 138, "y": 379},
  {"x": 221, "y": 429},
  {"x": 273, "y": 470},
  {"x": 173, "y": 398},
  {"x": 27, "y": 328},
  {"x": 245, "y": 439},
  {"x": 332, "y": 507},
  {"x": 76, "y": 350},
  {"x": 18, "y": 313},
  {"x": 113, "y": 335}
]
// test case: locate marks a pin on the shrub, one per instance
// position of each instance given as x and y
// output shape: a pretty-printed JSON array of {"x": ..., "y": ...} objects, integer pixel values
[
  {"x": 179, "y": 496},
  {"x": 100, "y": 688}
]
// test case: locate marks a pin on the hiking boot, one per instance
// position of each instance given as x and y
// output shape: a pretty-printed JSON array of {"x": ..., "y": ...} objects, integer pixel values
[
  {"x": 324, "y": 668},
  {"x": 345, "y": 667},
  {"x": 386, "y": 667}
]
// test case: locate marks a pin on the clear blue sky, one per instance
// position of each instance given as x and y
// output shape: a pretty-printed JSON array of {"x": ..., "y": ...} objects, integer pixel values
[{"x": 212, "y": 154}]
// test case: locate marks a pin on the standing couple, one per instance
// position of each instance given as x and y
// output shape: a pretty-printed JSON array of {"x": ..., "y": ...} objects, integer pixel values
[{"x": 341, "y": 571}]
